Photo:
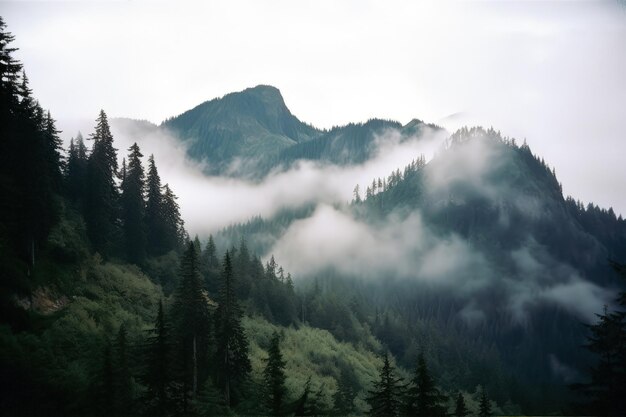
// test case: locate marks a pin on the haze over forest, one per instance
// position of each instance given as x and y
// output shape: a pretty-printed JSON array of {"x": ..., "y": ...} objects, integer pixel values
[{"x": 390, "y": 209}]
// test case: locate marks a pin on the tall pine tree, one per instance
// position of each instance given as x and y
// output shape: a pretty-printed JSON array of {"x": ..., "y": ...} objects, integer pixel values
[
  {"x": 233, "y": 364},
  {"x": 460, "y": 409},
  {"x": 155, "y": 224},
  {"x": 158, "y": 374},
  {"x": 386, "y": 397},
  {"x": 423, "y": 398},
  {"x": 101, "y": 207},
  {"x": 274, "y": 377},
  {"x": 193, "y": 327},
  {"x": 132, "y": 204}
]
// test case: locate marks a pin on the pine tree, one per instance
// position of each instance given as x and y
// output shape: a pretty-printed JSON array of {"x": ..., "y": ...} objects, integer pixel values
[
  {"x": 193, "y": 326},
  {"x": 210, "y": 266},
  {"x": 274, "y": 377},
  {"x": 344, "y": 396},
  {"x": 104, "y": 385},
  {"x": 233, "y": 364},
  {"x": 76, "y": 170},
  {"x": 607, "y": 387},
  {"x": 173, "y": 233},
  {"x": 423, "y": 398},
  {"x": 9, "y": 67},
  {"x": 386, "y": 397},
  {"x": 484, "y": 407},
  {"x": 460, "y": 409},
  {"x": 209, "y": 401},
  {"x": 122, "y": 376},
  {"x": 132, "y": 199},
  {"x": 101, "y": 208},
  {"x": 155, "y": 224},
  {"x": 242, "y": 269},
  {"x": 157, "y": 377}
]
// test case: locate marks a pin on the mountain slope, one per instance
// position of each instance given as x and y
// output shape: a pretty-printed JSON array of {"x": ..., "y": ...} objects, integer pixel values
[{"x": 243, "y": 125}]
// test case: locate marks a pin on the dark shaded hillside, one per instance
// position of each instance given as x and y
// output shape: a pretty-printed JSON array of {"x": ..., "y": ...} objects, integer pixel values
[
  {"x": 537, "y": 259},
  {"x": 499, "y": 196},
  {"x": 351, "y": 144}
]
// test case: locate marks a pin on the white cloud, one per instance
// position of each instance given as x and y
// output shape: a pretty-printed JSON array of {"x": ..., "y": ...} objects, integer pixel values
[{"x": 552, "y": 72}]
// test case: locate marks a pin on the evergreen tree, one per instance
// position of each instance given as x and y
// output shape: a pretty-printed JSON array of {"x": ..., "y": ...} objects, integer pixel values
[
  {"x": 173, "y": 233},
  {"x": 484, "y": 407},
  {"x": 460, "y": 409},
  {"x": 607, "y": 387},
  {"x": 302, "y": 406},
  {"x": 123, "y": 385},
  {"x": 423, "y": 398},
  {"x": 132, "y": 199},
  {"x": 104, "y": 386},
  {"x": 242, "y": 268},
  {"x": 101, "y": 208},
  {"x": 158, "y": 375},
  {"x": 210, "y": 402},
  {"x": 233, "y": 364},
  {"x": 76, "y": 170},
  {"x": 192, "y": 317},
  {"x": 210, "y": 266},
  {"x": 274, "y": 377},
  {"x": 154, "y": 220},
  {"x": 30, "y": 167},
  {"x": 344, "y": 396},
  {"x": 386, "y": 397}
]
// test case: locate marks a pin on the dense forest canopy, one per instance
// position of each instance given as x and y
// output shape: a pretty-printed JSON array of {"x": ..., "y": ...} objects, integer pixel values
[{"x": 457, "y": 285}]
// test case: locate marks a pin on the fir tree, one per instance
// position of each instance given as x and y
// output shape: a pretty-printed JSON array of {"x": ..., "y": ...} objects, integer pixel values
[
  {"x": 423, "y": 398},
  {"x": 192, "y": 317},
  {"x": 173, "y": 233},
  {"x": 158, "y": 375},
  {"x": 344, "y": 396},
  {"x": 386, "y": 397},
  {"x": 155, "y": 224},
  {"x": 122, "y": 377},
  {"x": 274, "y": 377},
  {"x": 101, "y": 208},
  {"x": 233, "y": 364},
  {"x": 460, "y": 409},
  {"x": 210, "y": 266},
  {"x": 210, "y": 402},
  {"x": 76, "y": 170},
  {"x": 484, "y": 407},
  {"x": 607, "y": 388},
  {"x": 132, "y": 199}
]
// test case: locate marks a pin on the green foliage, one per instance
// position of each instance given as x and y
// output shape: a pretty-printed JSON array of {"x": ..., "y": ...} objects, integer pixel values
[
  {"x": 460, "y": 409},
  {"x": 313, "y": 353},
  {"x": 231, "y": 354},
  {"x": 132, "y": 207},
  {"x": 485, "y": 405},
  {"x": 274, "y": 377},
  {"x": 385, "y": 399},
  {"x": 101, "y": 206},
  {"x": 423, "y": 398},
  {"x": 192, "y": 321},
  {"x": 606, "y": 389},
  {"x": 252, "y": 125}
]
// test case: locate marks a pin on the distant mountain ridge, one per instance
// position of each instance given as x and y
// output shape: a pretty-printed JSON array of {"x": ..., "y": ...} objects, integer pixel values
[
  {"x": 252, "y": 132},
  {"x": 248, "y": 125}
]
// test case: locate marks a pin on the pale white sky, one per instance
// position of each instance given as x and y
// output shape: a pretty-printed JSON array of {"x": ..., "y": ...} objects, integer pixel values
[{"x": 553, "y": 72}]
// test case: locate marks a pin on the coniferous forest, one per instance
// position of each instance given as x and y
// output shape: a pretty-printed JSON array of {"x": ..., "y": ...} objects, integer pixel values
[{"x": 109, "y": 307}]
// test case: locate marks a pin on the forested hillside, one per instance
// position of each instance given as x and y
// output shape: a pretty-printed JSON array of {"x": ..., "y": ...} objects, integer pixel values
[{"x": 451, "y": 287}]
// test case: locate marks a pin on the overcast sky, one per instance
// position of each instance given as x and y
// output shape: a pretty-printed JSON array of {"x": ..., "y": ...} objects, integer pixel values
[{"x": 553, "y": 72}]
